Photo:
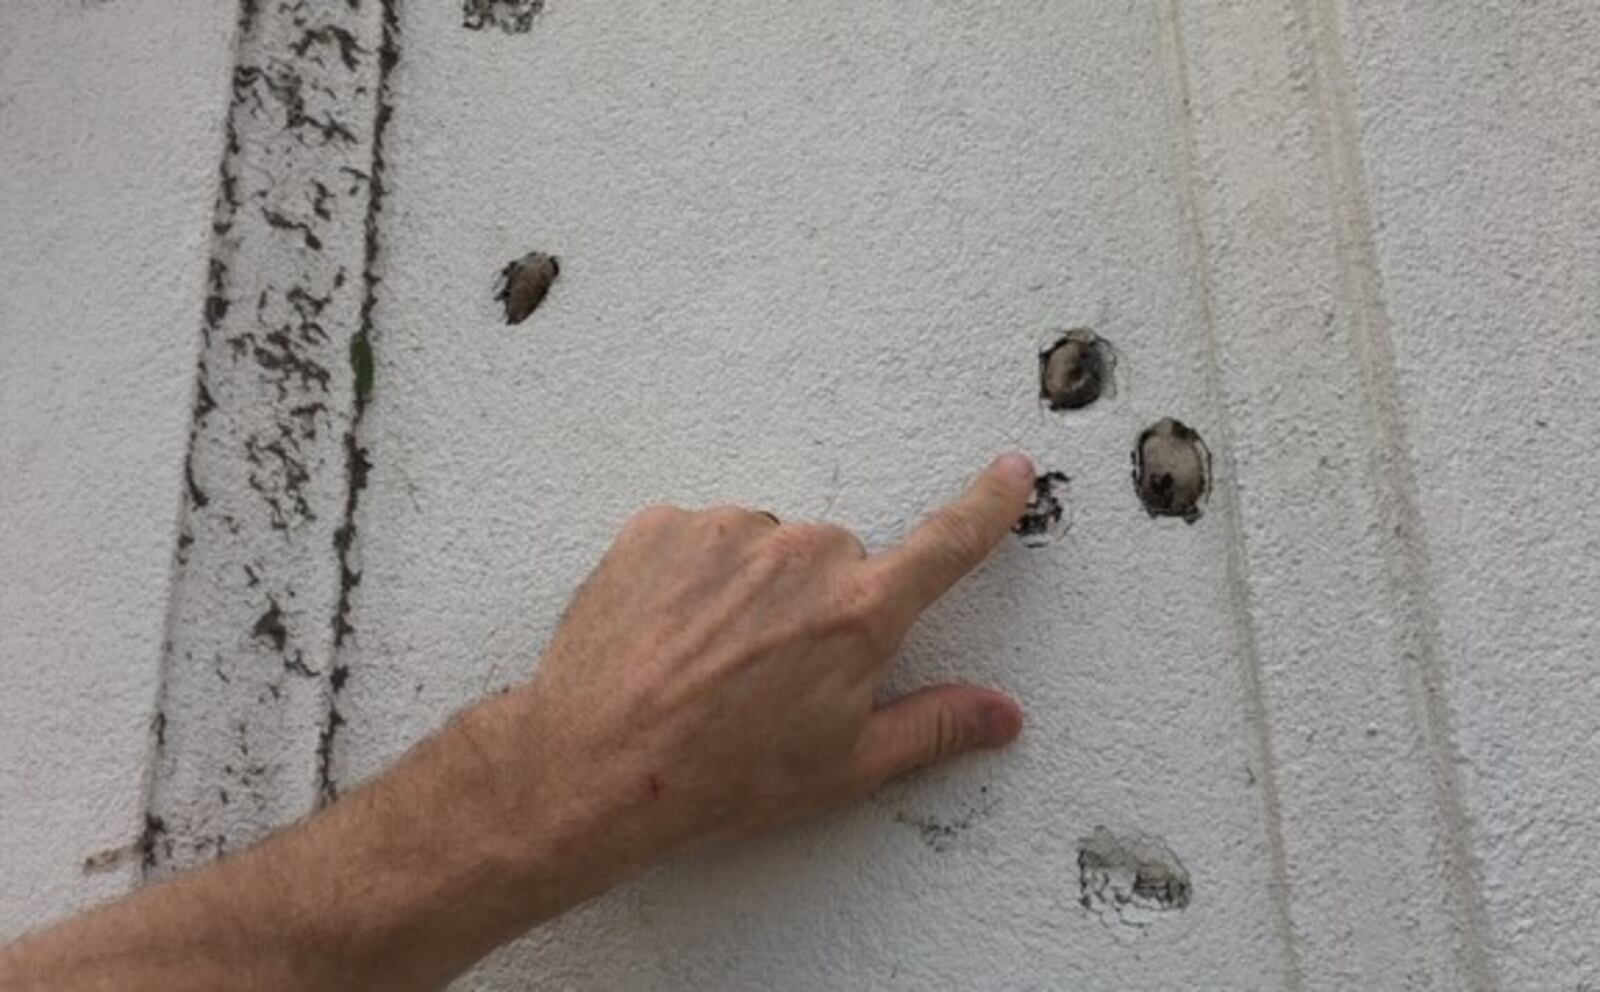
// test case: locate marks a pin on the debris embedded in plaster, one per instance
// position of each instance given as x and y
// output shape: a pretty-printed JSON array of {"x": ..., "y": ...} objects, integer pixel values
[
  {"x": 1130, "y": 880},
  {"x": 1076, "y": 370},
  {"x": 112, "y": 857},
  {"x": 1172, "y": 470},
  {"x": 510, "y": 16},
  {"x": 524, "y": 283},
  {"x": 1048, "y": 515}
]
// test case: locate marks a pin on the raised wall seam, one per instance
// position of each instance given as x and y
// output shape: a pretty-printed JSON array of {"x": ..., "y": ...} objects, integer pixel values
[
  {"x": 1408, "y": 566},
  {"x": 249, "y": 662},
  {"x": 1258, "y": 715}
]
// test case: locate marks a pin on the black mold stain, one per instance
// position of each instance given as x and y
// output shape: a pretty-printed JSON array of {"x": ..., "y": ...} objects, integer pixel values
[
  {"x": 357, "y": 464},
  {"x": 281, "y": 222},
  {"x": 1046, "y": 517},
  {"x": 524, "y": 283},
  {"x": 327, "y": 789},
  {"x": 287, "y": 89},
  {"x": 1076, "y": 370},
  {"x": 1130, "y": 880},
  {"x": 270, "y": 626},
  {"x": 280, "y": 477},
  {"x": 510, "y": 16},
  {"x": 942, "y": 834},
  {"x": 331, "y": 35},
  {"x": 143, "y": 848},
  {"x": 154, "y": 836},
  {"x": 1172, "y": 470},
  {"x": 197, "y": 496}
]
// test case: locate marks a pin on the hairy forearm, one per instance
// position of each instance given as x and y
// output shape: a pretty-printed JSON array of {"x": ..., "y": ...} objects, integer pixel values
[
  {"x": 714, "y": 676},
  {"x": 399, "y": 885}
]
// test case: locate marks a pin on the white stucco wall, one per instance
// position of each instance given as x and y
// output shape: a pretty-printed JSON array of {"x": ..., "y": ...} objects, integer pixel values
[
  {"x": 1485, "y": 198},
  {"x": 110, "y": 129},
  {"x": 808, "y": 256}
]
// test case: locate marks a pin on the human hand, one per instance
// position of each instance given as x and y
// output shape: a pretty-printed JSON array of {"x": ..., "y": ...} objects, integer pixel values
[{"x": 715, "y": 675}]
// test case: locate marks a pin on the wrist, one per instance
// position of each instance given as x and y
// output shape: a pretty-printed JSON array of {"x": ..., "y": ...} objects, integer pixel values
[{"x": 553, "y": 818}]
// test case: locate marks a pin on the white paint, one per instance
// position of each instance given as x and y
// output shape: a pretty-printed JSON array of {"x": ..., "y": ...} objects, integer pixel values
[
  {"x": 808, "y": 255},
  {"x": 110, "y": 128},
  {"x": 1486, "y": 197}
]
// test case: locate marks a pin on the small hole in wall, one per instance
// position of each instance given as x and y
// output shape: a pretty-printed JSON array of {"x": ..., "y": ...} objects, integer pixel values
[
  {"x": 1077, "y": 369},
  {"x": 1048, "y": 515},
  {"x": 1172, "y": 470},
  {"x": 1131, "y": 880},
  {"x": 524, "y": 283}
]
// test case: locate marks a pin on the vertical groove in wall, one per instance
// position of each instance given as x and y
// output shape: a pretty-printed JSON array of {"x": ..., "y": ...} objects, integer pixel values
[
  {"x": 362, "y": 363},
  {"x": 248, "y": 660},
  {"x": 1247, "y": 649},
  {"x": 1409, "y": 574}
]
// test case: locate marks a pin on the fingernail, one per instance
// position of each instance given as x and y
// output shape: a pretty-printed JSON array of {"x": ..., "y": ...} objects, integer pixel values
[
  {"x": 1017, "y": 465},
  {"x": 1000, "y": 725}
]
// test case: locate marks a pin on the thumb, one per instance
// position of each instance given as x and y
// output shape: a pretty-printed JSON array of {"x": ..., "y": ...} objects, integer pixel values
[{"x": 930, "y": 726}]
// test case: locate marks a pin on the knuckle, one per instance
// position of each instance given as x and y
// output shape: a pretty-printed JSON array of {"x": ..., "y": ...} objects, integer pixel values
[
  {"x": 728, "y": 517},
  {"x": 845, "y": 540},
  {"x": 861, "y": 602},
  {"x": 654, "y": 517},
  {"x": 798, "y": 540}
]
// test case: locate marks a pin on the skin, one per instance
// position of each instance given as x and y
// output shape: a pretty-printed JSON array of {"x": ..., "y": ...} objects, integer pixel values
[{"x": 714, "y": 677}]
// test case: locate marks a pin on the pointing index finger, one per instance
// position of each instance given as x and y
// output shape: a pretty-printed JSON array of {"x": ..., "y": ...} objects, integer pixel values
[{"x": 958, "y": 536}]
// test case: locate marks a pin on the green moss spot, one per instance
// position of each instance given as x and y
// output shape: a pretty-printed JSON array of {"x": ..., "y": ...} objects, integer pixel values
[{"x": 361, "y": 362}]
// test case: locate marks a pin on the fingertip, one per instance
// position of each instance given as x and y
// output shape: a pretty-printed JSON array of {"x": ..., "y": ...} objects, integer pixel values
[
  {"x": 1013, "y": 475},
  {"x": 999, "y": 722},
  {"x": 1016, "y": 468},
  {"x": 956, "y": 538}
]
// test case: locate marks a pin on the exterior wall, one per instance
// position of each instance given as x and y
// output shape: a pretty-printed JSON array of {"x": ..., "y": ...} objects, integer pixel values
[
  {"x": 110, "y": 128},
  {"x": 809, "y": 254},
  {"x": 1487, "y": 228}
]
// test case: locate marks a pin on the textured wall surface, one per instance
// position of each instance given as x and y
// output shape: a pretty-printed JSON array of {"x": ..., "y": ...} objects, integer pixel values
[
  {"x": 809, "y": 256},
  {"x": 110, "y": 128}
]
